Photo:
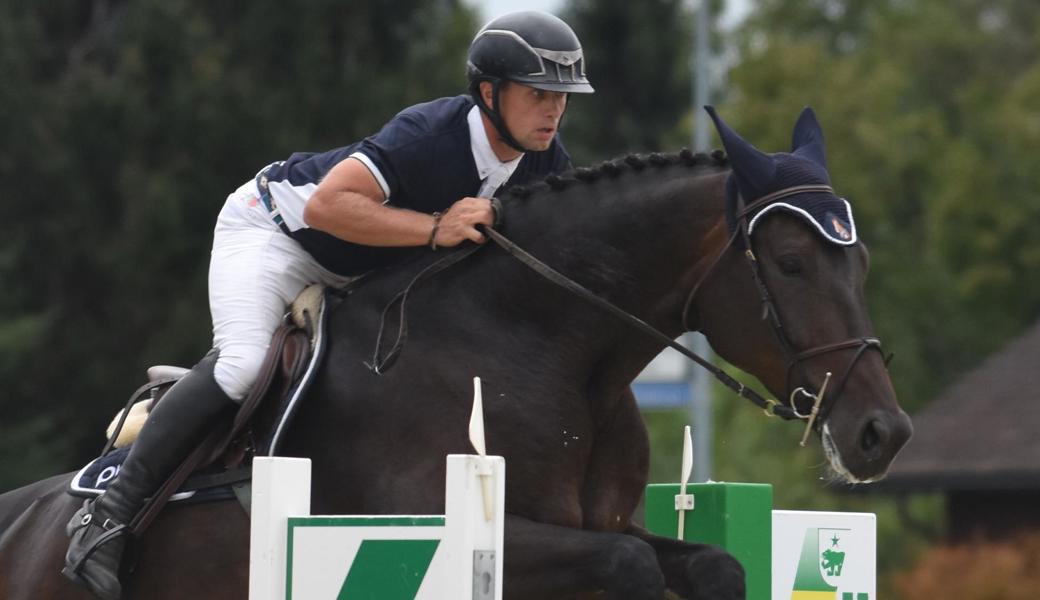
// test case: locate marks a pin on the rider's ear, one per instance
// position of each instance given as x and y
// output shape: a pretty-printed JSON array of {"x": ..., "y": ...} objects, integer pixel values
[
  {"x": 486, "y": 93},
  {"x": 807, "y": 139}
]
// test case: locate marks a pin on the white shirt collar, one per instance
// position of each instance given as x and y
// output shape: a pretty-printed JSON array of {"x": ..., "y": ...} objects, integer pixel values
[{"x": 492, "y": 172}]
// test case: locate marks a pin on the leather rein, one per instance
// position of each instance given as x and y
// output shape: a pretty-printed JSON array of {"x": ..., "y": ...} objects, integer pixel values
[{"x": 770, "y": 406}]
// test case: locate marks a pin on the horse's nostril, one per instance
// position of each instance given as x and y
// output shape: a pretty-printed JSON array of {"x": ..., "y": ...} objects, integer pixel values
[{"x": 873, "y": 438}]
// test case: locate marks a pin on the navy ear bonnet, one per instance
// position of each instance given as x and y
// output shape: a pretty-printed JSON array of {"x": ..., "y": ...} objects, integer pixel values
[{"x": 757, "y": 174}]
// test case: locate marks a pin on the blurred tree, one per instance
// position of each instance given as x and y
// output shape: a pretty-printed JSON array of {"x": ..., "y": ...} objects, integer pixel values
[
  {"x": 929, "y": 108},
  {"x": 125, "y": 124},
  {"x": 930, "y": 111},
  {"x": 638, "y": 57}
]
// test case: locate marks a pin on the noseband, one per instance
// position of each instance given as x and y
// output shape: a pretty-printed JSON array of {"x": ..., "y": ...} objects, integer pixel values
[{"x": 769, "y": 311}]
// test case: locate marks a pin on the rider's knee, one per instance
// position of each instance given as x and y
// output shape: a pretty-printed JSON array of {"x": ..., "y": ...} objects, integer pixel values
[{"x": 237, "y": 368}]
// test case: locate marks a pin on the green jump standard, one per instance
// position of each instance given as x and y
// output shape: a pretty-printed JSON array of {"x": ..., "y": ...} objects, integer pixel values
[{"x": 736, "y": 516}]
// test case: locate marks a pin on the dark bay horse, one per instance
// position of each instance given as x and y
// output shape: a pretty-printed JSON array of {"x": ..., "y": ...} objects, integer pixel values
[{"x": 641, "y": 233}]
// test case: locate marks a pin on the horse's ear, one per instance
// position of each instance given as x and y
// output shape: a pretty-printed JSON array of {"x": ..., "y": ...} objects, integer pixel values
[
  {"x": 754, "y": 169},
  {"x": 807, "y": 139}
]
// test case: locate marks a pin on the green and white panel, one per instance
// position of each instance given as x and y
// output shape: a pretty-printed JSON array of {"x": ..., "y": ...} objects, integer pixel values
[
  {"x": 824, "y": 555},
  {"x": 297, "y": 556},
  {"x": 359, "y": 557}
]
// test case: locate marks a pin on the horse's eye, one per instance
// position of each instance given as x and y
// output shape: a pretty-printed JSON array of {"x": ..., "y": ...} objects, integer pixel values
[{"x": 790, "y": 265}]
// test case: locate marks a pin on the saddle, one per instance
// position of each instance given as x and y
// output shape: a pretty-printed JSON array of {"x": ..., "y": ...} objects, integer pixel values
[{"x": 225, "y": 456}]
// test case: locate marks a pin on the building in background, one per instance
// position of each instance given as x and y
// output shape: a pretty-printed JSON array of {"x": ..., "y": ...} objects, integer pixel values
[{"x": 979, "y": 444}]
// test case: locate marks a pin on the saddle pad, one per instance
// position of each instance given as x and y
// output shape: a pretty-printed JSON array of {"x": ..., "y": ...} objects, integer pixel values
[{"x": 94, "y": 479}]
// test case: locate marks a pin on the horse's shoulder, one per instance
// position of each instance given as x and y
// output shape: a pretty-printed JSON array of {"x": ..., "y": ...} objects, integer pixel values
[
  {"x": 44, "y": 495},
  {"x": 32, "y": 514}
]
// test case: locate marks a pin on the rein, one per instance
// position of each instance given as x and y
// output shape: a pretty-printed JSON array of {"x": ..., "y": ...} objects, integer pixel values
[
  {"x": 381, "y": 363},
  {"x": 770, "y": 406}
]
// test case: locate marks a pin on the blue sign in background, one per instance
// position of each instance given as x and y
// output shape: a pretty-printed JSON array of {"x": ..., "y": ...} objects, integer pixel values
[{"x": 662, "y": 394}]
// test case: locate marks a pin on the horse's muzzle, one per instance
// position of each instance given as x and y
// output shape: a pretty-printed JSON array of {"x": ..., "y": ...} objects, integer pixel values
[{"x": 869, "y": 453}]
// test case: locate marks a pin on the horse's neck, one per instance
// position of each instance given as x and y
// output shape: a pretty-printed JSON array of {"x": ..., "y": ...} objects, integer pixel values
[{"x": 637, "y": 241}]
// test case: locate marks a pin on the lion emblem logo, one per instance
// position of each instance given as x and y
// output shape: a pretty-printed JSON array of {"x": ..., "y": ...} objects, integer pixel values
[{"x": 832, "y": 562}]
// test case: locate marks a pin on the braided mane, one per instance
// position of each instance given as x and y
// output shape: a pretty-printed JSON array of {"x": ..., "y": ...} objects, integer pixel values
[{"x": 615, "y": 167}]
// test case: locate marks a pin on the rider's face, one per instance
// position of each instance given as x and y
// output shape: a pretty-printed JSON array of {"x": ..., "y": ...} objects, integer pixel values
[{"x": 532, "y": 115}]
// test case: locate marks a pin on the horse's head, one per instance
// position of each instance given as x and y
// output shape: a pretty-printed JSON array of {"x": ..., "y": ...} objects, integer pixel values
[{"x": 799, "y": 322}]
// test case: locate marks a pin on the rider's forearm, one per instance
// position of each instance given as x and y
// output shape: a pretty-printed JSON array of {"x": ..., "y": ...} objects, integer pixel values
[{"x": 356, "y": 218}]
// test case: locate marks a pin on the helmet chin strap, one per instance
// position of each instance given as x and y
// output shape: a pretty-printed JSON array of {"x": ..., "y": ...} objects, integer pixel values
[{"x": 495, "y": 116}]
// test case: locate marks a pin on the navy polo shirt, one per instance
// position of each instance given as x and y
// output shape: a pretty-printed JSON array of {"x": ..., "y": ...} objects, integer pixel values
[{"x": 423, "y": 160}]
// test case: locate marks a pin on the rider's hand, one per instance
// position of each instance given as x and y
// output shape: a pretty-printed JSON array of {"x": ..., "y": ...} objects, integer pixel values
[{"x": 459, "y": 223}]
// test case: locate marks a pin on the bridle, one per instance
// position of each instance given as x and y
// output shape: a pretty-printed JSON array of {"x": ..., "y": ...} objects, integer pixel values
[
  {"x": 381, "y": 362},
  {"x": 794, "y": 358}
]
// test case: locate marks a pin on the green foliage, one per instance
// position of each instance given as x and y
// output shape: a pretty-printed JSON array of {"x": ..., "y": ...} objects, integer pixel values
[
  {"x": 930, "y": 112},
  {"x": 126, "y": 124},
  {"x": 637, "y": 56}
]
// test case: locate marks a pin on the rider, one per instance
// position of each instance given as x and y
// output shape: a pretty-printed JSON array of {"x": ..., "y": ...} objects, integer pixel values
[{"x": 423, "y": 180}]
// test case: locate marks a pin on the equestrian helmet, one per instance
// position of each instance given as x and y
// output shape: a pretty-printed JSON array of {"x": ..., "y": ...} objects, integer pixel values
[{"x": 529, "y": 47}]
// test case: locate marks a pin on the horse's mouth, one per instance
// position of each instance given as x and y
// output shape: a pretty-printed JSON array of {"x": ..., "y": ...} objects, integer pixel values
[{"x": 830, "y": 450}]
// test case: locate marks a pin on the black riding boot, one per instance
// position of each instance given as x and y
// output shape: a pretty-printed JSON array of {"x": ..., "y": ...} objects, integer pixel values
[{"x": 177, "y": 425}]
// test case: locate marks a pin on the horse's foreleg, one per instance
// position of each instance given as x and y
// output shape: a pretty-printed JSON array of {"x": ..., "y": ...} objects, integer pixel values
[
  {"x": 548, "y": 561},
  {"x": 695, "y": 571}
]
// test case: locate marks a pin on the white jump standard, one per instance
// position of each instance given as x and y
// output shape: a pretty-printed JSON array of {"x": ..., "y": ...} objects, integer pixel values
[{"x": 294, "y": 555}]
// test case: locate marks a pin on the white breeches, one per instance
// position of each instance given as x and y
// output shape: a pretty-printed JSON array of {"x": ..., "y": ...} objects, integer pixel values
[{"x": 255, "y": 272}]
